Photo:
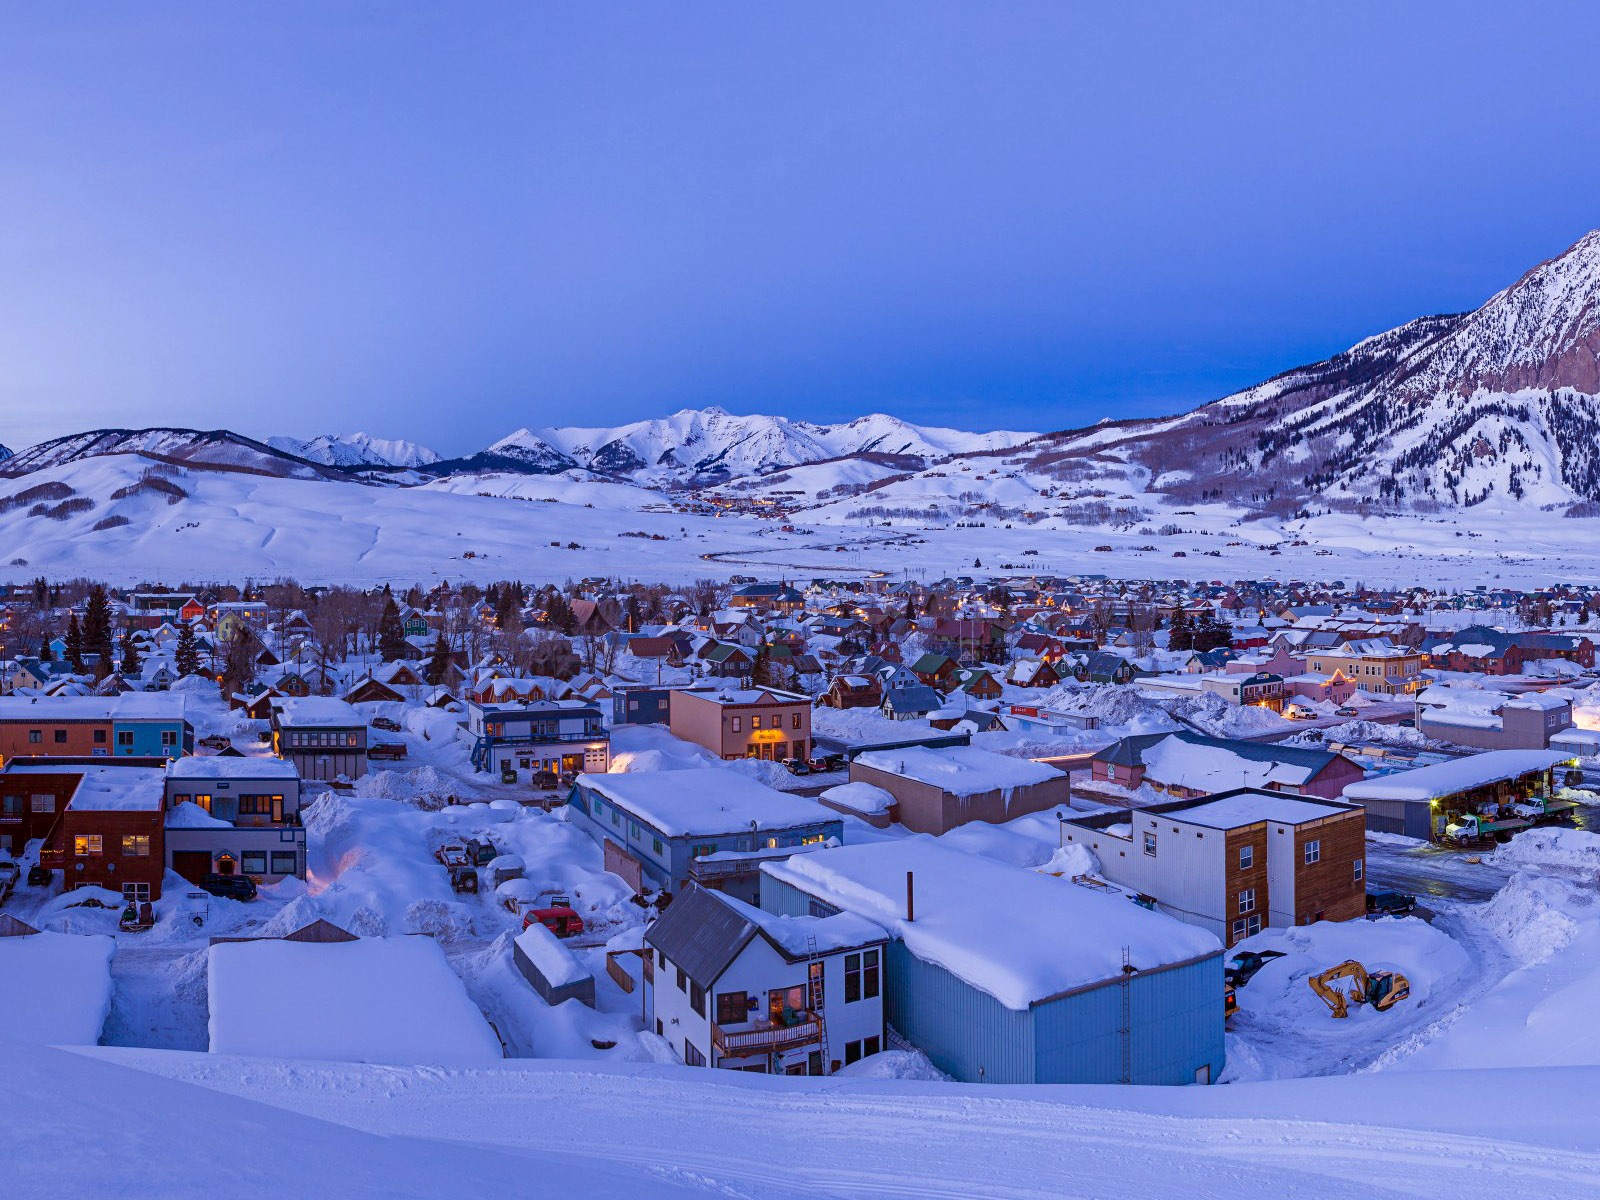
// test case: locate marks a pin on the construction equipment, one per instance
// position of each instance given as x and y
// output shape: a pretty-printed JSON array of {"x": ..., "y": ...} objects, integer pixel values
[{"x": 1381, "y": 989}]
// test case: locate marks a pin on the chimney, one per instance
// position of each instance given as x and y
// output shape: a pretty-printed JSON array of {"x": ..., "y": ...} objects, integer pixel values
[{"x": 911, "y": 899}]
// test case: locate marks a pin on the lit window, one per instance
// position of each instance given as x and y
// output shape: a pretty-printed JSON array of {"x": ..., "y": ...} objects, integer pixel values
[
  {"x": 136, "y": 845},
  {"x": 85, "y": 844}
]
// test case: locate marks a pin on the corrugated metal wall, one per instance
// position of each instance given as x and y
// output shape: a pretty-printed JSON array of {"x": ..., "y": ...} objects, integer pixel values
[{"x": 965, "y": 1032}]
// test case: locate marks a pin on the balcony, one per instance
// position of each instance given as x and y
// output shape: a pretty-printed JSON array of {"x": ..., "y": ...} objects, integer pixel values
[{"x": 766, "y": 1038}]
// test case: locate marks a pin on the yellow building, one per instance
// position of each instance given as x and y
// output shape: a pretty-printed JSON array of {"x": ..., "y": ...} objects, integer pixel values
[{"x": 1374, "y": 665}]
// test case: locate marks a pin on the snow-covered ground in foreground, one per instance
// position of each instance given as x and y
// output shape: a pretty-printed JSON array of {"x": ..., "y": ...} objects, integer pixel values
[{"x": 656, "y": 1131}]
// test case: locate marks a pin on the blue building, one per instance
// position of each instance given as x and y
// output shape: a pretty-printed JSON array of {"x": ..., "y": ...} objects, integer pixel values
[
  {"x": 151, "y": 725},
  {"x": 1004, "y": 975},
  {"x": 564, "y": 737},
  {"x": 640, "y": 704},
  {"x": 714, "y": 825}
]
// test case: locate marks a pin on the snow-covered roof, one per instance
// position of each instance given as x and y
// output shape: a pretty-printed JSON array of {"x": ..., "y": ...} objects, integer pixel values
[
  {"x": 379, "y": 1000},
  {"x": 229, "y": 766},
  {"x": 189, "y": 815},
  {"x": 799, "y": 936},
  {"x": 706, "y": 801},
  {"x": 1020, "y": 936},
  {"x": 1247, "y": 807},
  {"x": 129, "y": 706},
  {"x": 1446, "y": 779},
  {"x": 57, "y": 987},
  {"x": 302, "y": 712},
  {"x": 960, "y": 770},
  {"x": 861, "y": 797},
  {"x": 559, "y": 966},
  {"x": 108, "y": 788}
]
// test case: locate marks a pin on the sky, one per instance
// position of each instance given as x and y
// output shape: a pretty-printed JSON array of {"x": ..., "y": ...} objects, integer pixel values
[{"x": 443, "y": 222}]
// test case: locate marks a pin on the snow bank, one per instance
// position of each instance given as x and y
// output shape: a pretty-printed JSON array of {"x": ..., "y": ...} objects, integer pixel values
[
  {"x": 894, "y": 1064},
  {"x": 55, "y": 988},
  {"x": 380, "y": 1000},
  {"x": 1550, "y": 846},
  {"x": 1531, "y": 915},
  {"x": 860, "y": 797}
]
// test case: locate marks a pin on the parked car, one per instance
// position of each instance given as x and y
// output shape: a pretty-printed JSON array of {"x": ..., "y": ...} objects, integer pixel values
[
  {"x": 39, "y": 876},
  {"x": 229, "y": 887},
  {"x": 559, "y": 920},
  {"x": 1242, "y": 967},
  {"x": 1390, "y": 904},
  {"x": 216, "y": 741},
  {"x": 1347, "y": 711},
  {"x": 546, "y": 781},
  {"x": 9, "y": 874},
  {"x": 797, "y": 766},
  {"x": 1296, "y": 712},
  {"x": 386, "y": 723},
  {"x": 387, "y": 750}
]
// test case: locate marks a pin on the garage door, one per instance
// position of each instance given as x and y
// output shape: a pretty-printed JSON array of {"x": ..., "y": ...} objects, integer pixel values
[{"x": 193, "y": 865}]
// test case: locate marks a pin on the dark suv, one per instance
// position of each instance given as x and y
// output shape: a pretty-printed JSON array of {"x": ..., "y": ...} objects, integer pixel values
[{"x": 230, "y": 887}]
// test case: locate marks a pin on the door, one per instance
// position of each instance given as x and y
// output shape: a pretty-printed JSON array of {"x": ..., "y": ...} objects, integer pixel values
[
  {"x": 277, "y": 810},
  {"x": 193, "y": 865},
  {"x": 782, "y": 1000}
]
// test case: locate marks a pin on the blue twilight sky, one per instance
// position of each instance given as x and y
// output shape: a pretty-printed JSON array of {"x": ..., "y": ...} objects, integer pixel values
[{"x": 443, "y": 221}]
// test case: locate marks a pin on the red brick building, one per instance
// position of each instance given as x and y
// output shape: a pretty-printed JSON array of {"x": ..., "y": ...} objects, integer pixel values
[{"x": 108, "y": 821}]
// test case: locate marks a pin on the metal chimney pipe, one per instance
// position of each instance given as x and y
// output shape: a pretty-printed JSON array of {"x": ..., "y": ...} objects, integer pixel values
[{"x": 911, "y": 899}]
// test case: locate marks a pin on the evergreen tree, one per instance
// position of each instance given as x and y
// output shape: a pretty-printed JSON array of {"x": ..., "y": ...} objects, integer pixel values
[
  {"x": 439, "y": 661},
  {"x": 74, "y": 642},
  {"x": 391, "y": 634},
  {"x": 187, "y": 654},
  {"x": 911, "y": 609},
  {"x": 131, "y": 666},
  {"x": 1181, "y": 634},
  {"x": 762, "y": 672},
  {"x": 97, "y": 627}
]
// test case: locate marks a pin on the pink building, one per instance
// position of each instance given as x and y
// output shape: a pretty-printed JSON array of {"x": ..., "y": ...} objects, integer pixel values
[{"x": 742, "y": 722}]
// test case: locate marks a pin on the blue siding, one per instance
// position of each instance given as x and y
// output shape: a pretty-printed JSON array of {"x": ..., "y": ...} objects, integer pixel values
[{"x": 963, "y": 1031}]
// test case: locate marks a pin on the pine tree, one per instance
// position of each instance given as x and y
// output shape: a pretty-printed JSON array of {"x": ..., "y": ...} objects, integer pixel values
[
  {"x": 74, "y": 642},
  {"x": 439, "y": 662},
  {"x": 97, "y": 624},
  {"x": 131, "y": 666},
  {"x": 1181, "y": 634},
  {"x": 187, "y": 655},
  {"x": 391, "y": 634}
]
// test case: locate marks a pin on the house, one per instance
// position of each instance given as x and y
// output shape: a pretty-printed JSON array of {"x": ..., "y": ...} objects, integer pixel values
[
  {"x": 742, "y": 722},
  {"x": 1374, "y": 664},
  {"x": 1488, "y": 651},
  {"x": 1489, "y": 720},
  {"x": 975, "y": 639},
  {"x": 323, "y": 737},
  {"x": 107, "y": 830},
  {"x": 935, "y": 670},
  {"x": 736, "y": 987},
  {"x": 852, "y": 691},
  {"x": 977, "y": 683},
  {"x": 662, "y": 829},
  {"x": 777, "y": 596},
  {"x": 1032, "y": 673},
  {"x": 1261, "y": 689},
  {"x": 132, "y": 724},
  {"x": 234, "y": 816},
  {"x": 910, "y": 703},
  {"x": 640, "y": 704},
  {"x": 1235, "y": 861},
  {"x": 1422, "y": 802},
  {"x": 1105, "y": 667},
  {"x": 564, "y": 737},
  {"x": 1002, "y": 974},
  {"x": 1192, "y": 764},
  {"x": 936, "y": 790}
]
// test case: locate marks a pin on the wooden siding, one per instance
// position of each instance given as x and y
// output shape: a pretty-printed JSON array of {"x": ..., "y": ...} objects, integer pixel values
[
  {"x": 1328, "y": 890},
  {"x": 1254, "y": 836}
]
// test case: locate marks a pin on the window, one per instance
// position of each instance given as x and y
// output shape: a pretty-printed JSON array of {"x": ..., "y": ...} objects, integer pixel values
[
  {"x": 661, "y": 958},
  {"x": 683, "y": 981},
  {"x": 697, "y": 999},
  {"x": 99, "y": 737},
  {"x": 615, "y": 818},
  {"x": 817, "y": 908},
  {"x": 35, "y": 737},
  {"x": 169, "y": 738},
  {"x": 755, "y": 721},
  {"x": 253, "y": 862},
  {"x": 249, "y": 805},
  {"x": 136, "y": 845},
  {"x": 1313, "y": 852},
  {"x": 124, "y": 737},
  {"x": 732, "y": 1007},
  {"x": 738, "y": 724},
  {"x": 11, "y": 806},
  {"x": 861, "y": 976},
  {"x": 1360, "y": 867},
  {"x": 1246, "y": 927},
  {"x": 85, "y": 844},
  {"x": 655, "y": 845},
  {"x": 870, "y": 1046},
  {"x": 852, "y": 1052},
  {"x": 284, "y": 862},
  {"x": 794, "y": 721},
  {"x": 42, "y": 802},
  {"x": 139, "y": 892},
  {"x": 1150, "y": 843},
  {"x": 61, "y": 736},
  {"x": 869, "y": 974},
  {"x": 1247, "y": 900},
  {"x": 1247, "y": 857},
  {"x": 702, "y": 851}
]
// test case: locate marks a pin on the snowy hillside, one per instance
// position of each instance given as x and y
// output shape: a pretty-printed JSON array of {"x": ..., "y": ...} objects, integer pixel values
[
  {"x": 217, "y": 448},
  {"x": 712, "y": 443},
  {"x": 357, "y": 450}
]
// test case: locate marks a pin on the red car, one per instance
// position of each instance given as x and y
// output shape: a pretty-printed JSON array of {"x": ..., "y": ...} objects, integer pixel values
[{"x": 562, "y": 922}]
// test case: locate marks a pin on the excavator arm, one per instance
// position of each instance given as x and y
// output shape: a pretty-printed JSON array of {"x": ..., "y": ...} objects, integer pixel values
[{"x": 1336, "y": 998}]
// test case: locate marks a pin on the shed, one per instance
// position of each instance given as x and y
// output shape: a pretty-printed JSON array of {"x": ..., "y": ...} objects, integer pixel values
[
  {"x": 1418, "y": 803},
  {"x": 551, "y": 967}
]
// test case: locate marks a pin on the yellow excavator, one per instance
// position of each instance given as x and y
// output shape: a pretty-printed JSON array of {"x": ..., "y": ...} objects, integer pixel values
[{"x": 1381, "y": 989}]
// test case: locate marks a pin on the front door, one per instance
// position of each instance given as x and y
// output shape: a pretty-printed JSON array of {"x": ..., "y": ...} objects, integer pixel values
[{"x": 277, "y": 810}]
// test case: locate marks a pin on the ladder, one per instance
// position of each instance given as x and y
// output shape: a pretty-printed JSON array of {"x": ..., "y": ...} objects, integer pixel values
[{"x": 816, "y": 986}]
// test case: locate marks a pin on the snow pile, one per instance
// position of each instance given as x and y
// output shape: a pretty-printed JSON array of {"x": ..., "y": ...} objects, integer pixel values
[
  {"x": 1399, "y": 737},
  {"x": 1211, "y": 713},
  {"x": 424, "y": 786},
  {"x": 859, "y": 797},
  {"x": 382, "y": 1000},
  {"x": 559, "y": 966},
  {"x": 894, "y": 1064},
  {"x": 56, "y": 987},
  {"x": 1531, "y": 915},
  {"x": 189, "y": 815},
  {"x": 1551, "y": 846},
  {"x": 766, "y": 772}
]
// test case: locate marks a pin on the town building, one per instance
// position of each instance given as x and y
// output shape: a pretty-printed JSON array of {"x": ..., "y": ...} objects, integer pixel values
[
  {"x": 1192, "y": 764},
  {"x": 936, "y": 790},
  {"x": 133, "y": 724},
  {"x": 659, "y": 830},
  {"x": 749, "y": 722},
  {"x": 1374, "y": 665},
  {"x": 1489, "y": 720},
  {"x": 736, "y": 987},
  {"x": 324, "y": 738},
  {"x": 1421, "y": 803},
  {"x": 228, "y": 815},
  {"x": 107, "y": 827},
  {"x": 562, "y": 737},
  {"x": 640, "y": 704},
  {"x": 1237, "y": 861},
  {"x": 1004, "y": 975}
]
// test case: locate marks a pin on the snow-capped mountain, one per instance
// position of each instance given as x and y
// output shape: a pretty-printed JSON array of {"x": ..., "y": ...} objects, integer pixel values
[
  {"x": 217, "y": 448},
  {"x": 713, "y": 443},
  {"x": 5, "y": 453},
  {"x": 1502, "y": 403},
  {"x": 356, "y": 450}
]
